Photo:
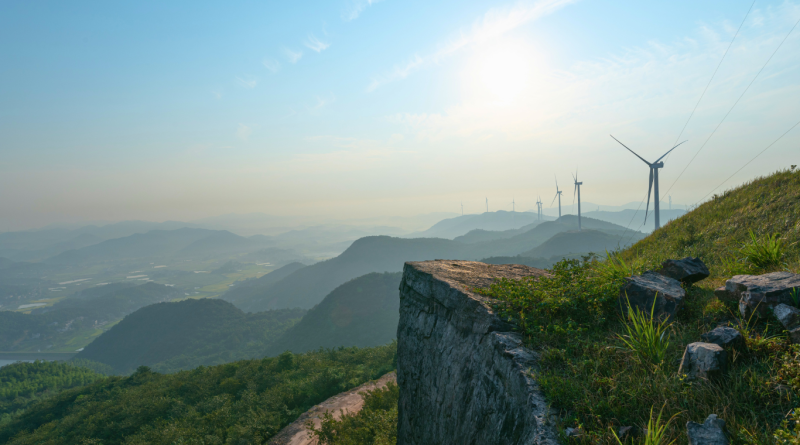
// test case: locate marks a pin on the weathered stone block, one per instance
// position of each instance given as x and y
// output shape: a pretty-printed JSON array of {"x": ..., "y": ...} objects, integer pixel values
[
  {"x": 789, "y": 317},
  {"x": 688, "y": 270},
  {"x": 726, "y": 337},
  {"x": 710, "y": 432},
  {"x": 463, "y": 373},
  {"x": 703, "y": 360},
  {"x": 642, "y": 290},
  {"x": 759, "y": 293}
]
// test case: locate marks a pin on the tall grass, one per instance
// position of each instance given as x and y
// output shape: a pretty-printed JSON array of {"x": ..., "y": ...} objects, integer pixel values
[
  {"x": 655, "y": 433},
  {"x": 645, "y": 336},
  {"x": 763, "y": 253}
]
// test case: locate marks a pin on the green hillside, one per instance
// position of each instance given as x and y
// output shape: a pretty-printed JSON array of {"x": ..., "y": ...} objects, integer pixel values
[
  {"x": 362, "y": 312},
  {"x": 599, "y": 374},
  {"x": 72, "y": 323},
  {"x": 717, "y": 229},
  {"x": 22, "y": 384},
  {"x": 186, "y": 334},
  {"x": 245, "y": 402}
]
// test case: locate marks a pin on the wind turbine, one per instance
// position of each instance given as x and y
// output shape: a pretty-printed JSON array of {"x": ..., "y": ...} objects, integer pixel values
[
  {"x": 513, "y": 205},
  {"x": 558, "y": 195},
  {"x": 462, "y": 208},
  {"x": 578, "y": 191},
  {"x": 487, "y": 204},
  {"x": 653, "y": 179},
  {"x": 539, "y": 208}
]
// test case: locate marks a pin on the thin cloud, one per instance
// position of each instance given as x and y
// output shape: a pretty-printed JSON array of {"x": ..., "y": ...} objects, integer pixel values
[
  {"x": 315, "y": 44},
  {"x": 322, "y": 102},
  {"x": 217, "y": 94},
  {"x": 271, "y": 64},
  {"x": 248, "y": 83},
  {"x": 355, "y": 8},
  {"x": 495, "y": 23},
  {"x": 243, "y": 132},
  {"x": 292, "y": 56}
]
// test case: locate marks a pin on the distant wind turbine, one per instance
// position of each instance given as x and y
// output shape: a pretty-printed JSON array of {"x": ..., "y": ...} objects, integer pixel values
[
  {"x": 539, "y": 207},
  {"x": 487, "y": 204},
  {"x": 578, "y": 191},
  {"x": 513, "y": 205},
  {"x": 558, "y": 195},
  {"x": 654, "y": 166},
  {"x": 462, "y": 208}
]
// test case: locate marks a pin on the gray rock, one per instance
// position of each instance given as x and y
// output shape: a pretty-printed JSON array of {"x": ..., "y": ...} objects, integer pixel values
[
  {"x": 573, "y": 433},
  {"x": 703, "y": 360},
  {"x": 789, "y": 317},
  {"x": 464, "y": 375},
  {"x": 726, "y": 337},
  {"x": 688, "y": 270},
  {"x": 710, "y": 432},
  {"x": 642, "y": 290},
  {"x": 625, "y": 432},
  {"x": 759, "y": 291}
]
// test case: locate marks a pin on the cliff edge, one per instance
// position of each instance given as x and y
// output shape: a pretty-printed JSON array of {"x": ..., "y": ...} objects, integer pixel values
[{"x": 463, "y": 373}]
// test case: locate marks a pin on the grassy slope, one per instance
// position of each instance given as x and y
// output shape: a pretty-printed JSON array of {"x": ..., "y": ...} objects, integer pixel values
[
  {"x": 593, "y": 381},
  {"x": 715, "y": 230}
]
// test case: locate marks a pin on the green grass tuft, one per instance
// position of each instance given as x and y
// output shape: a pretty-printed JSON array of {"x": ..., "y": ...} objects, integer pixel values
[
  {"x": 764, "y": 253},
  {"x": 646, "y": 336}
]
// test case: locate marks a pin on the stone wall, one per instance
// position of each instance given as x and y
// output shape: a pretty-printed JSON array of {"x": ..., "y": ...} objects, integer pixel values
[{"x": 463, "y": 374}]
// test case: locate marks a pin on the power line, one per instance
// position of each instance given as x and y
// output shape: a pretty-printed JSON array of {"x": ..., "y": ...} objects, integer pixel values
[
  {"x": 733, "y": 106},
  {"x": 692, "y": 114},
  {"x": 751, "y": 160}
]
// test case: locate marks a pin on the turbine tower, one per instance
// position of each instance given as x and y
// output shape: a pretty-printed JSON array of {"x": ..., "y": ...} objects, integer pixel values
[
  {"x": 462, "y": 208},
  {"x": 654, "y": 166},
  {"x": 558, "y": 195},
  {"x": 578, "y": 191},
  {"x": 513, "y": 205},
  {"x": 539, "y": 208}
]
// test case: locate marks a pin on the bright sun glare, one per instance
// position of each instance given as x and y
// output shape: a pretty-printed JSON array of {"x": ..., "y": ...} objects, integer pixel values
[{"x": 503, "y": 72}]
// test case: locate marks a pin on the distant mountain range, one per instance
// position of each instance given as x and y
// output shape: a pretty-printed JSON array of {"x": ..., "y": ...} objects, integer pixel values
[{"x": 493, "y": 221}]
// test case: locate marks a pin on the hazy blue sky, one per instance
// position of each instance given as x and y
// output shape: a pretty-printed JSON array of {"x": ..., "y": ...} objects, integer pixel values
[{"x": 185, "y": 109}]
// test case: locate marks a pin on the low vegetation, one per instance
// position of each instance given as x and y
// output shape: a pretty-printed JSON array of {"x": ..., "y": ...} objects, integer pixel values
[
  {"x": 247, "y": 401},
  {"x": 375, "y": 424},
  {"x": 22, "y": 384},
  {"x": 601, "y": 371}
]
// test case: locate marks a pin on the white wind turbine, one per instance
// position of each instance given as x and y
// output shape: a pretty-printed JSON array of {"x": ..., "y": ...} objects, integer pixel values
[
  {"x": 654, "y": 166},
  {"x": 578, "y": 191},
  {"x": 558, "y": 195}
]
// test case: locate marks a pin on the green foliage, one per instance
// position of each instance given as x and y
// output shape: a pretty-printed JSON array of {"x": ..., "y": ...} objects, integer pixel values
[
  {"x": 21, "y": 384},
  {"x": 375, "y": 424},
  {"x": 646, "y": 336},
  {"x": 572, "y": 300},
  {"x": 789, "y": 433},
  {"x": 242, "y": 402},
  {"x": 763, "y": 253}
]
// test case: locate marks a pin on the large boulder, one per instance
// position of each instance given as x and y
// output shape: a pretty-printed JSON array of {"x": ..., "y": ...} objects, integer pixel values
[
  {"x": 642, "y": 290},
  {"x": 789, "y": 317},
  {"x": 688, "y": 270},
  {"x": 703, "y": 360},
  {"x": 726, "y": 337},
  {"x": 710, "y": 432},
  {"x": 775, "y": 286}
]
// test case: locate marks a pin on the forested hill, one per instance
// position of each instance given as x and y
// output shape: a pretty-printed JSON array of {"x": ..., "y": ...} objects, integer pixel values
[
  {"x": 186, "y": 334},
  {"x": 362, "y": 312},
  {"x": 246, "y": 294},
  {"x": 246, "y": 402}
]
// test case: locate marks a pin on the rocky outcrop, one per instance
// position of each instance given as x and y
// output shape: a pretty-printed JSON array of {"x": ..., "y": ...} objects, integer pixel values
[
  {"x": 464, "y": 375},
  {"x": 703, "y": 360},
  {"x": 350, "y": 402},
  {"x": 641, "y": 291},
  {"x": 688, "y": 270},
  {"x": 789, "y": 317},
  {"x": 710, "y": 432},
  {"x": 725, "y": 337},
  {"x": 772, "y": 288}
]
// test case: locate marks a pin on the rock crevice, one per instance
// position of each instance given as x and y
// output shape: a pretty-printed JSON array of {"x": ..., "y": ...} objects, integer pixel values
[{"x": 464, "y": 375}]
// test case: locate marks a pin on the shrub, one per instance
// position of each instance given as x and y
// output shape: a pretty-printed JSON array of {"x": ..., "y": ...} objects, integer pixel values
[{"x": 375, "y": 424}]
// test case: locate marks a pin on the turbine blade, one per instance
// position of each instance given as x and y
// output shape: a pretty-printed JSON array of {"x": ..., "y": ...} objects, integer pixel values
[
  {"x": 554, "y": 199},
  {"x": 620, "y": 143},
  {"x": 649, "y": 188},
  {"x": 662, "y": 157}
]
